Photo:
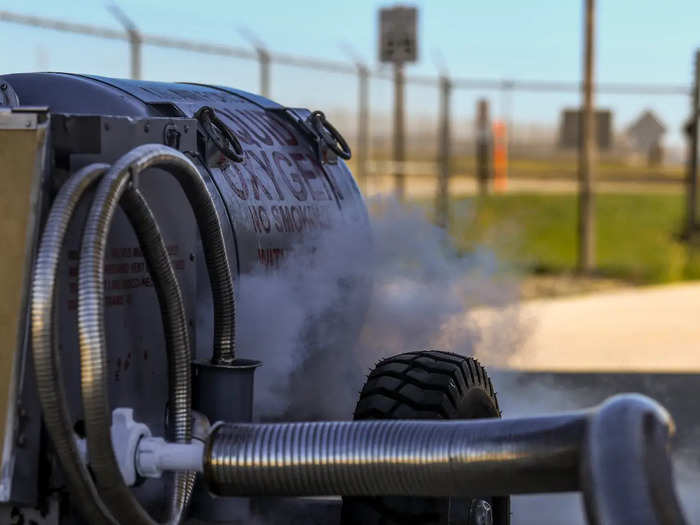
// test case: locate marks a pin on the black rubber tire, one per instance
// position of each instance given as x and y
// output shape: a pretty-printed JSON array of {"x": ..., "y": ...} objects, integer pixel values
[{"x": 423, "y": 385}]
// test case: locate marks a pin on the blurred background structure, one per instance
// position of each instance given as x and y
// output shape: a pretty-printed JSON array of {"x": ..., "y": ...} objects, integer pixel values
[{"x": 443, "y": 122}]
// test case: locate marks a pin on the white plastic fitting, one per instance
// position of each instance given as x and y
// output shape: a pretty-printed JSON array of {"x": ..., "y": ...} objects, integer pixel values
[
  {"x": 155, "y": 456},
  {"x": 140, "y": 454},
  {"x": 126, "y": 435}
]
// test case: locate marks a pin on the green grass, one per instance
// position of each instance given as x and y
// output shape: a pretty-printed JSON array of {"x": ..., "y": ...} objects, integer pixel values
[
  {"x": 558, "y": 165},
  {"x": 637, "y": 234}
]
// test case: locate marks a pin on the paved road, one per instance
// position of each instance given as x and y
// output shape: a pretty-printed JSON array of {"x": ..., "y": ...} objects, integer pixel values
[
  {"x": 654, "y": 329},
  {"x": 573, "y": 352},
  {"x": 534, "y": 393}
]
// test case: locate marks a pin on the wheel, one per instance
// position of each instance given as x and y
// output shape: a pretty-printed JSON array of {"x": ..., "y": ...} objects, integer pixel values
[{"x": 427, "y": 385}]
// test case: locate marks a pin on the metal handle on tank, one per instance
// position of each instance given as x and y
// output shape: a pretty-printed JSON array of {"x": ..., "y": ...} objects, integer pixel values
[
  {"x": 330, "y": 136},
  {"x": 227, "y": 143}
]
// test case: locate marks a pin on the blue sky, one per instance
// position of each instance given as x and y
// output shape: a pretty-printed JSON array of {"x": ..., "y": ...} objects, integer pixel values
[{"x": 642, "y": 41}]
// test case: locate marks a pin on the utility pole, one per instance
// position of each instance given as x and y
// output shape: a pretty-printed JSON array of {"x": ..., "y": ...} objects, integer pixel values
[
  {"x": 693, "y": 152},
  {"x": 135, "y": 39},
  {"x": 399, "y": 150},
  {"x": 586, "y": 197},
  {"x": 442, "y": 198}
]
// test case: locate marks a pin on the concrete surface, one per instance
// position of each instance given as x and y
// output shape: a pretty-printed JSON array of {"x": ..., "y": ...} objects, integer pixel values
[{"x": 652, "y": 329}]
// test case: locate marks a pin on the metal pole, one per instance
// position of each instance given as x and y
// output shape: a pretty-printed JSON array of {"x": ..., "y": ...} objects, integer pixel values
[
  {"x": 135, "y": 39},
  {"x": 442, "y": 198},
  {"x": 586, "y": 200},
  {"x": 399, "y": 143},
  {"x": 135, "y": 48},
  {"x": 693, "y": 151},
  {"x": 484, "y": 142},
  {"x": 362, "y": 125},
  {"x": 264, "y": 59}
]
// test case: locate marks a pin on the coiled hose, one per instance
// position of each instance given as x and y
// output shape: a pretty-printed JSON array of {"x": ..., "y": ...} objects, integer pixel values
[
  {"x": 47, "y": 358},
  {"x": 93, "y": 359}
]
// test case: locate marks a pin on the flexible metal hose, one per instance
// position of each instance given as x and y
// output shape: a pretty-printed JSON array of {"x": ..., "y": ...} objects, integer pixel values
[
  {"x": 617, "y": 454},
  {"x": 627, "y": 474},
  {"x": 47, "y": 358},
  {"x": 395, "y": 457},
  {"x": 47, "y": 366},
  {"x": 91, "y": 309},
  {"x": 177, "y": 341}
]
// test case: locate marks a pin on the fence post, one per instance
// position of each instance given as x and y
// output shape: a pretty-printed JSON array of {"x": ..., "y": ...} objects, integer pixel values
[
  {"x": 586, "y": 199},
  {"x": 442, "y": 198},
  {"x": 264, "y": 60},
  {"x": 362, "y": 153},
  {"x": 135, "y": 45},
  {"x": 399, "y": 144},
  {"x": 693, "y": 151},
  {"x": 135, "y": 39},
  {"x": 483, "y": 146}
]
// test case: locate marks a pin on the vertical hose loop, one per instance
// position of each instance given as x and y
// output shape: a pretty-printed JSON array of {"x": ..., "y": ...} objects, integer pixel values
[
  {"x": 47, "y": 366},
  {"x": 113, "y": 186},
  {"x": 47, "y": 358}
]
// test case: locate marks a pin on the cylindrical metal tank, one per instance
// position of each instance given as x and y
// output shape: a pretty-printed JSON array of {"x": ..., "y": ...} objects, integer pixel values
[{"x": 280, "y": 186}]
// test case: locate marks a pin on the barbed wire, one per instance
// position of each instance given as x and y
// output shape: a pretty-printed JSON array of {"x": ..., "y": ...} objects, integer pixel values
[{"x": 332, "y": 66}]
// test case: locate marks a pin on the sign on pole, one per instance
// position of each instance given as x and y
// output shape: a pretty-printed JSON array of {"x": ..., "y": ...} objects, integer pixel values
[
  {"x": 398, "y": 44},
  {"x": 398, "y": 34},
  {"x": 570, "y": 130},
  {"x": 646, "y": 131}
]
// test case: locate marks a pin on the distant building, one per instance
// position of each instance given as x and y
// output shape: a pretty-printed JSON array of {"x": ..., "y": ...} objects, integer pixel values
[
  {"x": 645, "y": 135},
  {"x": 569, "y": 132}
]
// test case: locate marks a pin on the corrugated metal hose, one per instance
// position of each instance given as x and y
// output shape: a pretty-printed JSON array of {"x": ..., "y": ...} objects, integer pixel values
[
  {"x": 616, "y": 453},
  {"x": 111, "y": 501}
]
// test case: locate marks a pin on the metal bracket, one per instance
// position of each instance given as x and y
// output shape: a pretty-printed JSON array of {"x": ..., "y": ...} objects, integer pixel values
[
  {"x": 22, "y": 117},
  {"x": 8, "y": 96}
]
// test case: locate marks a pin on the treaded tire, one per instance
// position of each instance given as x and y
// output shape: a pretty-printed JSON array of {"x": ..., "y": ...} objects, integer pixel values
[{"x": 423, "y": 385}]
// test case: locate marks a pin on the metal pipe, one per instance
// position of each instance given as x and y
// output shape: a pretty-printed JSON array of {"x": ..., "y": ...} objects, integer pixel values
[{"x": 93, "y": 359}]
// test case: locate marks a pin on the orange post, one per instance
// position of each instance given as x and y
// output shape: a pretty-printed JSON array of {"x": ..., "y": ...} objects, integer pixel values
[{"x": 500, "y": 156}]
